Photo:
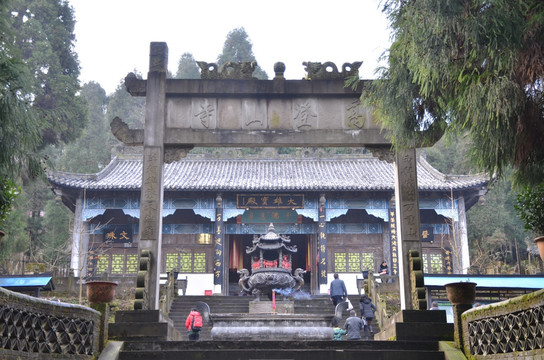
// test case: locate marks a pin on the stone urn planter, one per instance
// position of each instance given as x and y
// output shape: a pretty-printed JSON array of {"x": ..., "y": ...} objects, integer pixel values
[
  {"x": 539, "y": 241},
  {"x": 99, "y": 291},
  {"x": 461, "y": 293}
]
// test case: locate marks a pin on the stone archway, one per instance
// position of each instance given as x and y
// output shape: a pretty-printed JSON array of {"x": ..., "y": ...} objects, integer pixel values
[{"x": 227, "y": 107}]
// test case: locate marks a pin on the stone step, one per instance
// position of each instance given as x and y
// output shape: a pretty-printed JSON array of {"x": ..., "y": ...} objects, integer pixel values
[
  {"x": 418, "y": 325},
  {"x": 147, "y": 325},
  {"x": 280, "y": 345},
  {"x": 296, "y": 350}
]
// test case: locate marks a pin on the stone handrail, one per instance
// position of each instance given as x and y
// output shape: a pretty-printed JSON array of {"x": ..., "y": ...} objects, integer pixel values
[
  {"x": 42, "y": 329},
  {"x": 142, "y": 281},
  {"x": 167, "y": 293},
  {"x": 512, "y": 328},
  {"x": 374, "y": 294}
]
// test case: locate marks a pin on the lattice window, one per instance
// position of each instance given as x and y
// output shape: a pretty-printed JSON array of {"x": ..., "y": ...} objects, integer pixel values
[
  {"x": 433, "y": 263},
  {"x": 103, "y": 264},
  {"x": 172, "y": 261},
  {"x": 437, "y": 263},
  {"x": 339, "y": 262},
  {"x": 132, "y": 264},
  {"x": 199, "y": 262},
  {"x": 367, "y": 261},
  {"x": 186, "y": 260},
  {"x": 117, "y": 264},
  {"x": 354, "y": 263}
]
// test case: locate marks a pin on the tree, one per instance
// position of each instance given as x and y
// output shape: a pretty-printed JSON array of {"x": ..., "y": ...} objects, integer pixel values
[
  {"x": 55, "y": 247},
  {"x": 238, "y": 48},
  {"x": 131, "y": 109},
  {"x": 16, "y": 239},
  {"x": 187, "y": 67},
  {"x": 468, "y": 66},
  {"x": 494, "y": 229},
  {"x": 19, "y": 129},
  {"x": 88, "y": 154},
  {"x": 44, "y": 33}
]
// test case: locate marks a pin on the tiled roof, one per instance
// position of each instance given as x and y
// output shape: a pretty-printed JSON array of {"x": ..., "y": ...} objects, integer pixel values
[{"x": 302, "y": 174}]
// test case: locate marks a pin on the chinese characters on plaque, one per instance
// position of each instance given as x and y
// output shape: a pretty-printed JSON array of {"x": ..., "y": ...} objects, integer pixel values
[
  {"x": 427, "y": 233},
  {"x": 270, "y": 201},
  {"x": 118, "y": 233}
]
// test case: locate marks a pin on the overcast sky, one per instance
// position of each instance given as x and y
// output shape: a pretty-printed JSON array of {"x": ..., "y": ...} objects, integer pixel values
[{"x": 113, "y": 37}]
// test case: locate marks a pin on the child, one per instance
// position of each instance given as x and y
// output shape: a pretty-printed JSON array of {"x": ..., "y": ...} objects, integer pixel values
[
  {"x": 193, "y": 324},
  {"x": 338, "y": 332}
]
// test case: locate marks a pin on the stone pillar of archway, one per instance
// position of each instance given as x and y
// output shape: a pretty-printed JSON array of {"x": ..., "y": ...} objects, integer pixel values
[
  {"x": 152, "y": 175},
  {"x": 407, "y": 213}
]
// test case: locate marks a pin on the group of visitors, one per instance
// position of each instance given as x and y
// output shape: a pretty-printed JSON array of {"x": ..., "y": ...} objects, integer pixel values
[
  {"x": 338, "y": 293},
  {"x": 353, "y": 325}
]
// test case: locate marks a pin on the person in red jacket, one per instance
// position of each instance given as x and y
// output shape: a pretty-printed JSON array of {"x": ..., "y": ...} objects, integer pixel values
[{"x": 193, "y": 324}]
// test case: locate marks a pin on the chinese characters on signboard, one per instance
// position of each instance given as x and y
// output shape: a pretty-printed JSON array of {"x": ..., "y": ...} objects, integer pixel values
[
  {"x": 270, "y": 201},
  {"x": 394, "y": 243},
  {"x": 427, "y": 233},
  {"x": 218, "y": 248},
  {"x": 322, "y": 247},
  {"x": 447, "y": 261},
  {"x": 118, "y": 234}
]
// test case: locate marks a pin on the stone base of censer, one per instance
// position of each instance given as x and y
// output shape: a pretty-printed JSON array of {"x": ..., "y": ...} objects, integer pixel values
[
  {"x": 266, "y": 307},
  {"x": 237, "y": 327}
]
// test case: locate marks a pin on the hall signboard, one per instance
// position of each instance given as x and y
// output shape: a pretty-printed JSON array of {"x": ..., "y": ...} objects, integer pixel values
[
  {"x": 270, "y": 201},
  {"x": 275, "y": 216},
  {"x": 118, "y": 233}
]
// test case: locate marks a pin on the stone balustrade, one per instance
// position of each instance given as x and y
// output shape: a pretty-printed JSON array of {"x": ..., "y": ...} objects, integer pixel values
[
  {"x": 33, "y": 328},
  {"x": 508, "y": 329}
]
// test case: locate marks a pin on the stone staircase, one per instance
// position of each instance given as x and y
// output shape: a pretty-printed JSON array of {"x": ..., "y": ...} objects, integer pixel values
[
  {"x": 293, "y": 350},
  {"x": 182, "y": 305},
  {"x": 418, "y": 334}
]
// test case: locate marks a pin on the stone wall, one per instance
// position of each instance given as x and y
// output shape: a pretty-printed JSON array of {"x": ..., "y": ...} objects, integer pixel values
[
  {"x": 33, "y": 328},
  {"x": 507, "y": 329}
]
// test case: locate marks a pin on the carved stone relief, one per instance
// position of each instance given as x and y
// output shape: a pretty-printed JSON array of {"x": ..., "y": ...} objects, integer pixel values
[
  {"x": 254, "y": 114},
  {"x": 304, "y": 115},
  {"x": 354, "y": 118},
  {"x": 204, "y": 113}
]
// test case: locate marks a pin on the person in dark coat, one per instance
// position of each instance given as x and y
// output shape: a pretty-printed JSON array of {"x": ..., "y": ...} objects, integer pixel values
[
  {"x": 384, "y": 269},
  {"x": 353, "y": 326},
  {"x": 338, "y": 290},
  {"x": 367, "y": 313}
]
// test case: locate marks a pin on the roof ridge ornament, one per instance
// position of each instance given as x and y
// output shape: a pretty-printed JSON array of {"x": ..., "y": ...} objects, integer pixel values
[
  {"x": 229, "y": 70},
  {"x": 329, "y": 71}
]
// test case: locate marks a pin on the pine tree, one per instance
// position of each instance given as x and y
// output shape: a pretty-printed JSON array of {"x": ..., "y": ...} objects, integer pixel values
[
  {"x": 44, "y": 33},
  {"x": 238, "y": 48},
  {"x": 19, "y": 128},
  {"x": 88, "y": 154},
  {"x": 187, "y": 67}
]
